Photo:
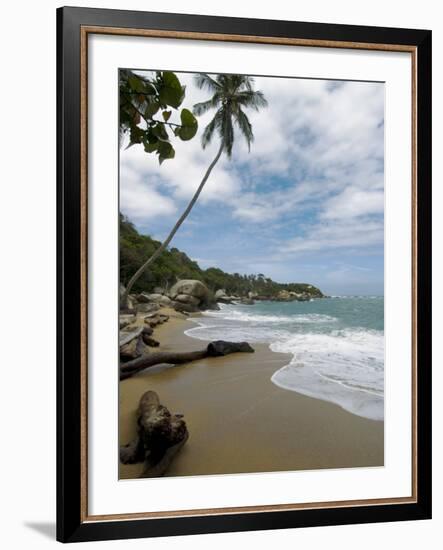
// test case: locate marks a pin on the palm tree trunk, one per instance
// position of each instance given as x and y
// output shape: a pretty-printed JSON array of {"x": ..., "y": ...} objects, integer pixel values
[{"x": 174, "y": 230}]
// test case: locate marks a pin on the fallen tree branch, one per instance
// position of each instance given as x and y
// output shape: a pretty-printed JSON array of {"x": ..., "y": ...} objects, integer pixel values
[
  {"x": 160, "y": 436},
  {"x": 214, "y": 349}
]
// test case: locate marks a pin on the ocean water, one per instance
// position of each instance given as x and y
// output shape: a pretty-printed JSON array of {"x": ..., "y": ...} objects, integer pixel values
[{"x": 337, "y": 345}]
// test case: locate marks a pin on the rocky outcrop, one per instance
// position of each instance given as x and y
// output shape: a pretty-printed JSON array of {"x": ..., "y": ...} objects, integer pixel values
[
  {"x": 192, "y": 295},
  {"x": 134, "y": 341},
  {"x": 290, "y": 296},
  {"x": 191, "y": 287},
  {"x": 131, "y": 343},
  {"x": 155, "y": 319},
  {"x": 186, "y": 296},
  {"x": 223, "y": 298},
  {"x": 188, "y": 299},
  {"x": 126, "y": 320},
  {"x": 287, "y": 296},
  {"x": 148, "y": 308},
  {"x": 220, "y": 348},
  {"x": 130, "y": 303},
  {"x": 154, "y": 298},
  {"x": 247, "y": 301},
  {"x": 184, "y": 308}
]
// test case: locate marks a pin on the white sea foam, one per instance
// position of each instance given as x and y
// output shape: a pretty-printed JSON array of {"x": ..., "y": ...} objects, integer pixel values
[
  {"x": 332, "y": 362},
  {"x": 247, "y": 317},
  {"x": 345, "y": 367}
]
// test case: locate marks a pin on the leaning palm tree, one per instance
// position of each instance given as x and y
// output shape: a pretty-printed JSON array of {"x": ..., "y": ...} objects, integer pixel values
[{"x": 230, "y": 95}]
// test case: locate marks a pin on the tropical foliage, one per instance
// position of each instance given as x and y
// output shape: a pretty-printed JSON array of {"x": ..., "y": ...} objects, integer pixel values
[
  {"x": 146, "y": 106},
  {"x": 231, "y": 94}
]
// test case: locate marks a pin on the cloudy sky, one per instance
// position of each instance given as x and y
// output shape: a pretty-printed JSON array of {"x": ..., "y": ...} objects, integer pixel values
[{"x": 305, "y": 205}]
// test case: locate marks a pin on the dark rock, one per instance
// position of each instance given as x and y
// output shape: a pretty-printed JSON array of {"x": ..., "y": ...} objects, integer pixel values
[
  {"x": 156, "y": 319},
  {"x": 192, "y": 287},
  {"x": 147, "y": 308},
  {"x": 154, "y": 298},
  {"x": 147, "y": 330},
  {"x": 188, "y": 308},
  {"x": 143, "y": 298},
  {"x": 127, "y": 336},
  {"x": 187, "y": 299},
  {"x": 151, "y": 342},
  {"x": 126, "y": 320},
  {"x": 210, "y": 306},
  {"x": 196, "y": 290},
  {"x": 132, "y": 350},
  {"x": 220, "y": 347}
]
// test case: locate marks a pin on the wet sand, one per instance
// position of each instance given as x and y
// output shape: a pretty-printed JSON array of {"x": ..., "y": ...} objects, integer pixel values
[{"x": 239, "y": 421}]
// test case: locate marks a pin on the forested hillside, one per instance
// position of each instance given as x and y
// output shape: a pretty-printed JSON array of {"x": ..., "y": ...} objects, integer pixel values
[{"x": 173, "y": 265}]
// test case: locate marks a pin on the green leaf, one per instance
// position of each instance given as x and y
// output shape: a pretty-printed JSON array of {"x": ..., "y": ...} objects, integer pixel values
[
  {"x": 171, "y": 91},
  {"x": 136, "y": 84},
  {"x": 166, "y": 115},
  {"x": 151, "y": 147},
  {"x": 189, "y": 125},
  {"x": 136, "y": 135},
  {"x": 160, "y": 132},
  {"x": 165, "y": 151},
  {"x": 151, "y": 109},
  {"x": 171, "y": 80},
  {"x": 149, "y": 89}
]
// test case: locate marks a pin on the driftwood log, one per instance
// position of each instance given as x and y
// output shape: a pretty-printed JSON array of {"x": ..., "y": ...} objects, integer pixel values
[
  {"x": 214, "y": 349},
  {"x": 160, "y": 435}
]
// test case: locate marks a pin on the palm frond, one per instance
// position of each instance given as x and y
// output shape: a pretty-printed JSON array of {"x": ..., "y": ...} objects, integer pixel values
[
  {"x": 227, "y": 131},
  {"x": 211, "y": 127},
  {"x": 251, "y": 98},
  {"x": 205, "y": 106},
  {"x": 249, "y": 83},
  {"x": 203, "y": 81},
  {"x": 245, "y": 127},
  {"x": 231, "y": 93}
]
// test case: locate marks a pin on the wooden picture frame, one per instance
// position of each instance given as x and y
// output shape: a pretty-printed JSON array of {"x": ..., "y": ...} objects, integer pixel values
[{"x": 74, "y": 523}]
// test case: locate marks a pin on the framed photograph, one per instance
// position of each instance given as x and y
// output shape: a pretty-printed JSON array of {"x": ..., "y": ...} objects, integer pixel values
[{"x": 244, "y": 274}]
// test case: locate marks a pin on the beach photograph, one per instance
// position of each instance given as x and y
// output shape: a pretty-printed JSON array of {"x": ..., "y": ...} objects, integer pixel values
[{"x": 251, "y": 274}]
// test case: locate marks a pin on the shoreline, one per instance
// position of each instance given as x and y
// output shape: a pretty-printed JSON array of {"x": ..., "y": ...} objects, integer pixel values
[{"x": 239, "y": 420}]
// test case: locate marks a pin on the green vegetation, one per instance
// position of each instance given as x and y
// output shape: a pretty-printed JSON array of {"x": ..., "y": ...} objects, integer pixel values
[
  {"x": 145, "y": 109},
  {"x": 230, "y": 95},
  {"x": 173, "y": 265}
]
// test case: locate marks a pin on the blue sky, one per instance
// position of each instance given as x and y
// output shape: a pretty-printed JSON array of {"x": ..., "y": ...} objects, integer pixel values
[{"x": 304, "y": 205}]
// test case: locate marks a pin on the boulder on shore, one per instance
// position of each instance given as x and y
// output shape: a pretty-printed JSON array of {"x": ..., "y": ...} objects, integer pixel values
[
  {"x": 187, "y": 299},
  {"x": 126, "y": 320},
  {"x": 247, "y": 301},
  {"x": 222, "y": 297},
  {"x": 148, "y": 308},
  {"x": 185, "y": 308},
  {"x": 201, "y": 296},
  {"x": 220, "y": 348},
  {"x": 192, "y": 287},
  {"x": 131, "y": 343},
  {"x": 154, "y": 298}
]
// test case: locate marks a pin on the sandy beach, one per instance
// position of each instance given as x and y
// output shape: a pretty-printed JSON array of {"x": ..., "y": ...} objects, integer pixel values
[{"x": 239, "y": 421}]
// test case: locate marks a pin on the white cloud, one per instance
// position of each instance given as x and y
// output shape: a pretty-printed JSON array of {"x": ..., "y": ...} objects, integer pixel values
[
  {"x": 325, "y": 140},
  {"x": 353, "y": 202},
  {"x": 140, "y": 200},
  {"x": 339, "y": 234}
]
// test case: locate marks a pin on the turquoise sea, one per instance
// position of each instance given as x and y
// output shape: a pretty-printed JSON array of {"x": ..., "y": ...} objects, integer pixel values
[{"x": 337, "y": 345}]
